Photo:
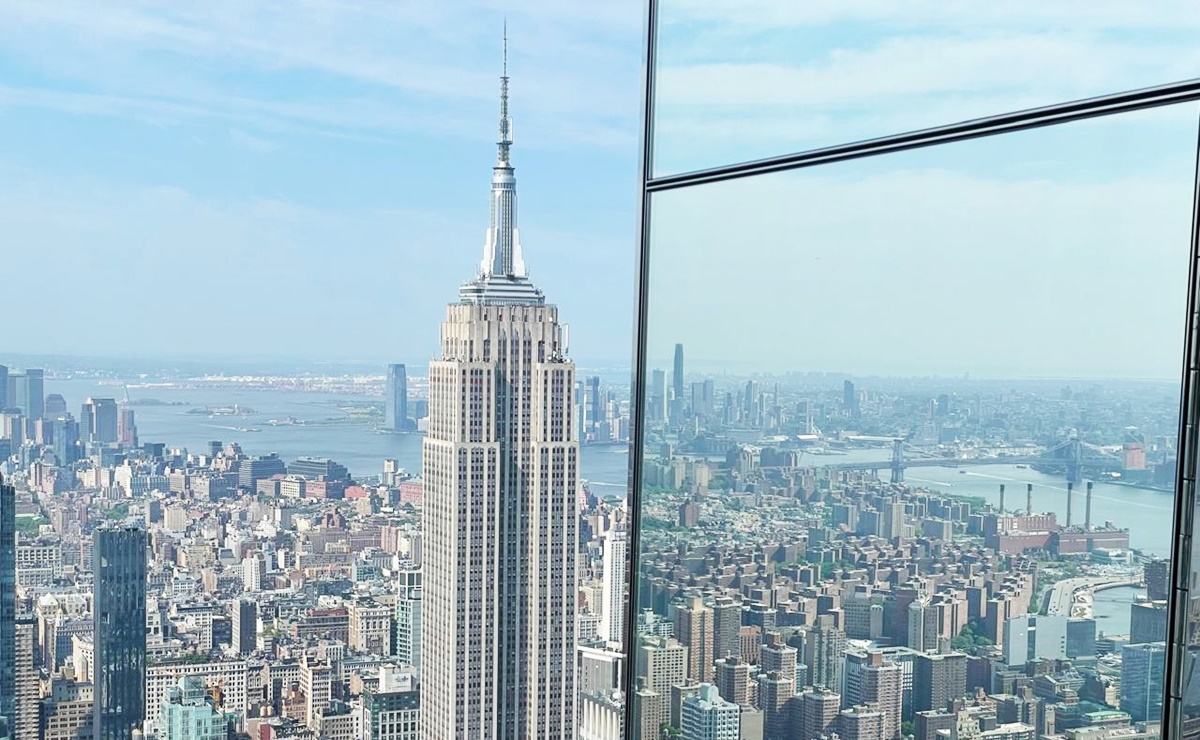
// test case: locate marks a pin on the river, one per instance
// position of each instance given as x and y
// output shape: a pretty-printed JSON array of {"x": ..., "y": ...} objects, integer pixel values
[
  {"x": 1146, "y": 513},
  {"x": 354, "y": 445}
]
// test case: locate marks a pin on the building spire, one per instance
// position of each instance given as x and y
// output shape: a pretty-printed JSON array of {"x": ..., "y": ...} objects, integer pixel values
[
  {"x": 502, "y": 275},
  {"x": 505, "y": 125}
]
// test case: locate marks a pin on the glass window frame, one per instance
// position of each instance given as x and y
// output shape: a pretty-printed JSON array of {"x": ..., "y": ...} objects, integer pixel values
[{"x": 1182, "y": 551}]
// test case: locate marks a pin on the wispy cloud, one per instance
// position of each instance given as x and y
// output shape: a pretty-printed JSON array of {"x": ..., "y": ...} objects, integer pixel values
[
  {"x": 736, "y": 73},
  {"x": 370, "y": 65}
]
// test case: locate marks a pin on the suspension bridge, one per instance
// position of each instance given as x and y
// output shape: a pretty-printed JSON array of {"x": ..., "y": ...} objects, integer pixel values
[{"x": 1073, "y": 457}]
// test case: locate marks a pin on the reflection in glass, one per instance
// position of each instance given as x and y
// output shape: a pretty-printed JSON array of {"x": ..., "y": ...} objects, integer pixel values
[
  {"x": 746, "y": 79},
  {"x": 911, "y": 439}
]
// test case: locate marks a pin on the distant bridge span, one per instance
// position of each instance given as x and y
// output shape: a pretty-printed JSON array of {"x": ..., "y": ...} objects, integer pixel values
[{"x": 1073, "y": 455}]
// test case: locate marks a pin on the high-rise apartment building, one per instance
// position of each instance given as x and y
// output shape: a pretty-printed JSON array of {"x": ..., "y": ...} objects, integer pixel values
[
  {"x": 396, "y": 399},
  {"x": 727, "y": 626},
  {"x": 937, "y": 679},
  {"x": 694, "y": 629},
  {"x": 819, "y": 709},
  {"x": 615, "y": 561},
  {"x": 706, "y": 716},
  {"x": 775, "y": 691},
  {"x": 861, "y": 722},
  {"x": 27, "y": 683},
  {"x": 119, "y": 631},
  {"x": 732, "y": 677},
  {"x": 663, "y": 664},
  {"x": 873, "y": 680},
  {"x": 408, "y": 626},
  {"x": 501, "y": 470},
  {"x": 776, "y": 655},
  {"x": 823, "y": 648}
]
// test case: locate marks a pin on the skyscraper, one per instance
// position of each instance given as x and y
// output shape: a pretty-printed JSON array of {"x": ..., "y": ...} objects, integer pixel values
[
  {"x": 615, "y": 561},
  {"x": 127, "y": 435},
  {"x": 874, "y": 681},
  {"x": 26, "y": 391},
  {"x": 245, "y": 626},
  {"x": 695, "y": 630},
  {"x": 597, "y": 408},
  {"x": 823, "y": 649},
  {"x": 727, "y": 626},
  {"x": 98, "y": 420},
  {"x": 677, "y": 385},
  {"x": 1143, "y": 669},
  {"x": 658, "y": 396},
  {"x": 8, "y": 604},
  {"x": 4, "y": 399},
  {"x": 501, "y": 469},
  {"x": 396, "y": 399},
  {"x": 119, "y": 632},
  {"x": 937, "y": 679}
]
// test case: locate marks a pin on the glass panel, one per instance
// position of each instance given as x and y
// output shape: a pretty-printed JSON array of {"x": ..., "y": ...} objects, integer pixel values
[
  {"x": 911, "y": 438},
  {"x": 746, "y": 79}
]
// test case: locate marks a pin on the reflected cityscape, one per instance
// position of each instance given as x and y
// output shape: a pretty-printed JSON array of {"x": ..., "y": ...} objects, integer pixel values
[{"x": 878, "y": 557}]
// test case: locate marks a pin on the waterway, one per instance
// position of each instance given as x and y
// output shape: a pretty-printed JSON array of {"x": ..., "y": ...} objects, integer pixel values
[
  {"x": 1146, "y": 513},
  {"x": 1110, "y": 607},
  {"x": 353, "y": 444}
]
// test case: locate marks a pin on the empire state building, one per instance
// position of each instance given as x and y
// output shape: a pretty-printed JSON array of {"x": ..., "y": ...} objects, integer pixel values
[{"x": 501, "y": 469}]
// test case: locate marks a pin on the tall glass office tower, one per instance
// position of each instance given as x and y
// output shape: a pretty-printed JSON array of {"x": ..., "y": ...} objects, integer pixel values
[
  {"x": 396, "y": 402},
  {"x": 501, "y": 469},
  {"x": 119, "y": 634}
]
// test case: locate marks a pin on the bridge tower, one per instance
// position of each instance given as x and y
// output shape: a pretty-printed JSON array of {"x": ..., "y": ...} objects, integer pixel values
[
  {"x": 897, "y": 461},
  {"x": 1074, "y": 458}
]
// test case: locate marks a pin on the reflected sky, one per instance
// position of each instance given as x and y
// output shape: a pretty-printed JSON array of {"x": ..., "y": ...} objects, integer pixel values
[
  {"x": 1056, "y": 252},
  {"x": 743, "y": 80}
]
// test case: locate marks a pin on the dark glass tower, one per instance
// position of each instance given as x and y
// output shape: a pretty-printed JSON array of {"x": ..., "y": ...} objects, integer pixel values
[
  {"x": 396, "y": 402},
  {"x": 677, "y": 385},
  {"x": 120, "y": 631},
  {"x": 8, "y": 604}
]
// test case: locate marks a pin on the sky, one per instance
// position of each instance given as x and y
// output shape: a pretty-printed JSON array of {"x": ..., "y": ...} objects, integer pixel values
[
  {"x": 294, "y": 180},
  {"x": 308, "y": 179}
]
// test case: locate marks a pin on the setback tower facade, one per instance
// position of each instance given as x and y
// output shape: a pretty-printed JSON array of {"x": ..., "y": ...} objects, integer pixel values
[{"x": 501, "y": 471}]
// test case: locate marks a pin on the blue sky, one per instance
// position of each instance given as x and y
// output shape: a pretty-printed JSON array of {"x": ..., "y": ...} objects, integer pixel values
[
  {"x": 297, "y": 178},
  {"x": 309, "y": 179}
]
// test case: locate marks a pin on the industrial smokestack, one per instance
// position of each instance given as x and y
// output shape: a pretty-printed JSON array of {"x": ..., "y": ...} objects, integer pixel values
[
  {"x": 1087, "y": 508},
  {"x": 1001, "y": 498},
  {"x": 1070, "y": 495},
  {"x": 1028, "y": 499}
]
